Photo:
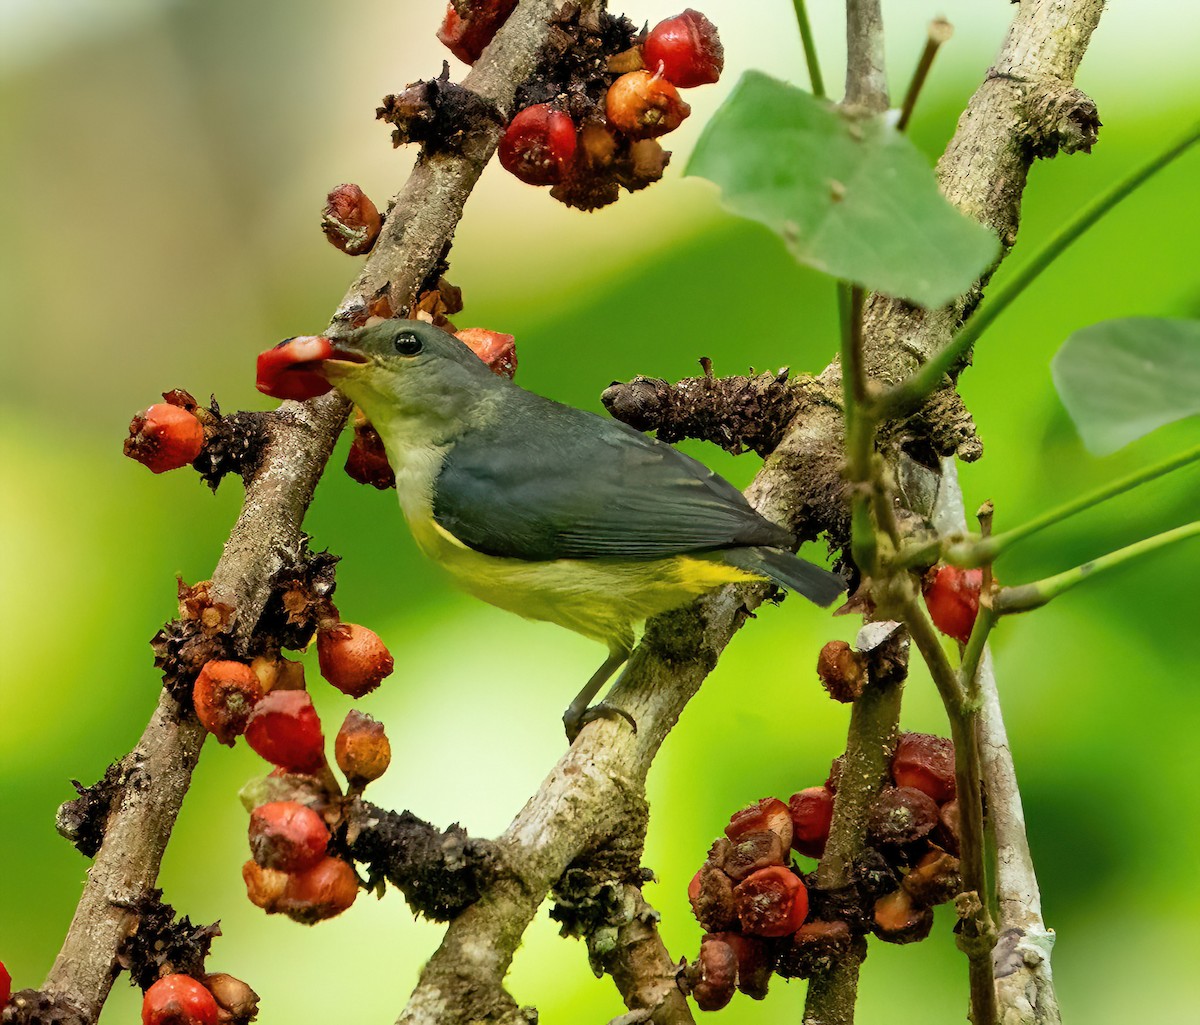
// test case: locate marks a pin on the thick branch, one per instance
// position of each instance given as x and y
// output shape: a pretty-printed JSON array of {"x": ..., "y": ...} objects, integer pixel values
[{"x": 300, "y": 438}]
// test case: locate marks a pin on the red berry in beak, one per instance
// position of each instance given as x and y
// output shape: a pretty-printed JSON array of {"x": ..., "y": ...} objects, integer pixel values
[{"x": 290, "y": 370}]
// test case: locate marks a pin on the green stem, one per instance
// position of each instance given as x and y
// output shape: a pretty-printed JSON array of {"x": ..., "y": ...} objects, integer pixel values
[
  {"x": 810, "y": 50},
  {"x": 930, "y": 375},
  {"x": 1031, "y": 596},
  {"x": 968, "y": 671},
  {"x": 978, "y": 552}
]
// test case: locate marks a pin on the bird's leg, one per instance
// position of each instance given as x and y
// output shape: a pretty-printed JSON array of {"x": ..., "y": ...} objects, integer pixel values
[{"x": 581, "y": 711}]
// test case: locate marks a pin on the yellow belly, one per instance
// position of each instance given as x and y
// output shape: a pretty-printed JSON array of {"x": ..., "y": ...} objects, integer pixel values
[{"x": 599, "y": 598}]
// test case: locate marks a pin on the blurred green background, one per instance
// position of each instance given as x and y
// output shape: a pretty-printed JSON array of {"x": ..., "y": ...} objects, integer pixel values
[{"x": 164, "y": 165}]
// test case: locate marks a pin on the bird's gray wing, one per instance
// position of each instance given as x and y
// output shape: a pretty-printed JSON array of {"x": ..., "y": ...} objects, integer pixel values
[{"x": 546, "y": 481}]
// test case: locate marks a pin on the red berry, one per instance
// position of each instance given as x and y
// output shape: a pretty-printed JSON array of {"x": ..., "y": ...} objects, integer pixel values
[
  {"x": 288, "y": 371},
  {"x": 323, "y": 891},
  {"x": 771, "y": 902},
  {"x": 644, "y": 106},
  {"x": 926, "y": 763},
  {"x": 178, "y": 1000},
  {"x": 224, "y": 695},
  {"x": 350, "y": 220},
  {"x": 497, "y": 350},
  {"x": 685, "y": 49},
  {"x": 353, "y": 658},
  {"x": 285, "y": 730},
  {"x": 466, "y": 38},
  {"x": 538, "y": 145},
  {"x": 287, "y": 836},
  {"x": 812, "y": 812},
  {"x": 362, "y": 749},
  {"x": 164, "y": 437},
  {"x": 769, "y": 813},
  {"x": 952, "y": 597},
  {"x": 5, "y": 985},
  {"x": 367, "y": 460}
]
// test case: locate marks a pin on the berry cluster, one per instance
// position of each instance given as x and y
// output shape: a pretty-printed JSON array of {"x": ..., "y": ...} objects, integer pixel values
[
  {"x": 214, "y": 1000},
  {"x": 763, "y": 916},
  {"x": 587, "y": 123}
]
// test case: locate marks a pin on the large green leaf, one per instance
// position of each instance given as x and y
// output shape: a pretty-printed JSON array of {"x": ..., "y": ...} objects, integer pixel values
[
  {"x": 850, "y": 196},
  {"x": 1123, "y": 378}
]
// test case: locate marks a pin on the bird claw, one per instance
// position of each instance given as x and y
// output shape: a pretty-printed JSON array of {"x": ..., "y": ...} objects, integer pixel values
[{"x": 574, "y": 722}]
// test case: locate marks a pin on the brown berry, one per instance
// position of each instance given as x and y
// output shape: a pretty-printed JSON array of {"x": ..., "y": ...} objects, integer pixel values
[
  {"x": 164, "y": 437},
  {"x": 754, "y": 962},
  {"x": 289, "y": 371},
  {"x": 771, "y": 902},
  {"x": 284, "y": 729},
  {"x": 353, "y": 658},
  {"x": 287, "y": 836},
  {"x": 467, "y": 38},
  {"x": 952, "y": 597},
  {"x": 178, "y": 1000},
  {"x": 841, "y": 671},
  {"x": 925, "y": 762},
  {"x": 264, "y": 886},
  {"x": 237, "y": 1003},
  {"x": 898, "y": 920},
  {"x": 901, "y": 815},
  {"x": 685, "y": 49},
  {"x": 496, "y": 349},
  {"x": 538, "y": 145},
  {"x": 811, "y": 812},
  {"x": 934, "y": 879},
  {"x": 645, "y": 106},
  {"x": 769, "y": 813},
  {"x": 275, "y": 672},
  {"x": 949, "y": 824},
  {"x": 714, "y": 976},
  {"x": 367, "y": 460},
  {"x": 752, "y": 851},
  {"x": 711, "y": 895},
  {"x": 362, "y": 749},
  {"x": 224, "y": 695},
  {"x": 350, "y": 220},
  {"x": 323, "y": 891}
]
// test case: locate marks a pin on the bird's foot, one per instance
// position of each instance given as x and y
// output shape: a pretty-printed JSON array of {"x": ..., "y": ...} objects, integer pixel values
[{"x": 575, "y": 719}]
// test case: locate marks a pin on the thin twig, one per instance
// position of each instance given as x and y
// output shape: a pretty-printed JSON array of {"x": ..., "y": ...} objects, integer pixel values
[
  {"x": 810, "y": 49},
  {"x": 940, "y": 31}
]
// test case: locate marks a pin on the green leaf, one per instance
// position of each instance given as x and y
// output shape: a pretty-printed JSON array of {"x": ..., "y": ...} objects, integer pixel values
[
  {"x": 850, "y": 196},
  {"x": 1122, "y": 379}
]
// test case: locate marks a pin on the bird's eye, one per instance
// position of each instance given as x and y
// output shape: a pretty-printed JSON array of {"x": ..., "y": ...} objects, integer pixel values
[{"x": 407, "y": 344}]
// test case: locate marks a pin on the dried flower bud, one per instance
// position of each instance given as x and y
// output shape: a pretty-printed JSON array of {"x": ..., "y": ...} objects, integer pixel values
[
  {"x": 812, "y": 813},
  {"x": 350, "y": 220},
  {"x": 925, "y": 762},
  {"x": 901, "y": 815},
  {"x": 841, "y": 671},
  {"x": 362, "y": 749},
  {"x": 934, "y": 879},
  {"x": 164, "y": 437},
  {"x": 898, "y": 920},
  {"x": 768, "y": 813},
  {"x": 711, "y": 895},
  {"x": 224, "y": 695},
  {"x": 771, "y": 902},
  {"x": 714, "y": 976},
  {"x": 752, "y": 851},
  {"x": 237, "y": 1003},
  {"x": 645, "y": 106}
]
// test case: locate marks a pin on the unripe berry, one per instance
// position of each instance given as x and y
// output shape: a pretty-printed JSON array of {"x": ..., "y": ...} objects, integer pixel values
[
  {"x": 323, "y": 891},
  {"x": 952, "y": 597},
  {"x": 685, "y": 49},
  {"x": 466, "y": 38},
  {"x": 771, "y": 902},
  {"x": 538, "y": 145},
  {"x": 287, "y": 371},
  {"x": 362, "y": 749},
  {"x": 768, "y": 813},
  {"x": 353, "y": 658},
  {"x": 497, "y": 350},
  {"x": 926, "y": 763},
  {"x": 178, "y": 1000},
  {"x": 645, "y": 106},
  {"x": 164, "y": 437},
  {"x": 287, "y": 836},
  {"x": 812, "y": 812},
  {"x": 350, "y": 220},
  {"x": 224, "y": 695},
  {"x": 284, "y": 729}
]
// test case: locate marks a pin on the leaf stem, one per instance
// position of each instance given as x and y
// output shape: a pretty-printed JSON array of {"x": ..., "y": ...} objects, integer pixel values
[
  {"x": 810, "y": 50},
  {"x": 1024, "y": 597},
  {"x": 929, "y": 376},
  {"x": 940, "y": 31}
]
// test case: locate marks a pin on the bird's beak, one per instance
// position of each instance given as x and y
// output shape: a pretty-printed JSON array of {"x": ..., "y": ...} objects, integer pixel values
[{"x": 301, "y": 368}]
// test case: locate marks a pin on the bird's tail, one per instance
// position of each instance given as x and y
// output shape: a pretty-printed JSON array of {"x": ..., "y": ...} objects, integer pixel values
[{"x": 787, "y": 570}]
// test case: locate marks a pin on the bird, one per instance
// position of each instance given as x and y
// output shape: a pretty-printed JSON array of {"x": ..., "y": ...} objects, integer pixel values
[{"x": 549, "y": 511}]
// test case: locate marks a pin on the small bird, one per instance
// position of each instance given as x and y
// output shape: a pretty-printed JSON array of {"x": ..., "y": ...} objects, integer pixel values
[{"x": 548, "y": 511}]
